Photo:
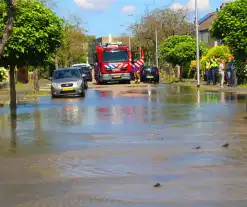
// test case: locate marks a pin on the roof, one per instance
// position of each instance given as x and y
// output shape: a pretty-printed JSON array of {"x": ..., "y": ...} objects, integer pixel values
[
  {"x": 69, "y": 68},
  {"x": 203, "y": 19},
  {"x": 81, "y": 64},
  {"x": 206, "y": 22}
]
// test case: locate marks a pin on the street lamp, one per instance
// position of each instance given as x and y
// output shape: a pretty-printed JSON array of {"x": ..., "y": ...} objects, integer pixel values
[{"x": 197, "y": 45}]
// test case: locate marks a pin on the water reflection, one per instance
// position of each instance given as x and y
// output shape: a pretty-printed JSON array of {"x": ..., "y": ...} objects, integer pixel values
[
  {"x": 13, "y": 128},
  {"x": 37, "y": 127},
  {"x": 70, "y": 113}
]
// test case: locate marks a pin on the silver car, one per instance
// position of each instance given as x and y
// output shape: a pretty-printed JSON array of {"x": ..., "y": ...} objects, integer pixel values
[{"x": 67, "y": 82}]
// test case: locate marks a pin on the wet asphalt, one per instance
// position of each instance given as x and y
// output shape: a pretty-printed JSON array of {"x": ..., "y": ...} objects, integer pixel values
[{"x": 111, "y": 147}]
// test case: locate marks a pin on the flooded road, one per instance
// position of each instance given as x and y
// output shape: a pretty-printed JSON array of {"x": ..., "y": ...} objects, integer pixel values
[{"x": 111, "y": 147}]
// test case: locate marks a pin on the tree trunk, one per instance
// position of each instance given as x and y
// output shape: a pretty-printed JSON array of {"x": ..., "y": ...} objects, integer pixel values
[
  {"x": 13, "y": 104},
  {"x": 11, "y": 13},
  {"x": 56, "y": 62},
  {"x": 36, "y": 79}
]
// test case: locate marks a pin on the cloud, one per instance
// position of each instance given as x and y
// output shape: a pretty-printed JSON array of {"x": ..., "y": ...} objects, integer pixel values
[
  {"x": 128, "y": 9},
  {"x": 94, "y": 4},
  {"x": 176, "y": 6},
  {"x": 202, "y": 5}
]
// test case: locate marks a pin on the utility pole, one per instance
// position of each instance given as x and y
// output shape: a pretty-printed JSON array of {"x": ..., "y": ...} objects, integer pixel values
[
  {"x": 156, "y": 40},
  {"x": 197, "y": 45},
  {"x": 129, "y": 42}
]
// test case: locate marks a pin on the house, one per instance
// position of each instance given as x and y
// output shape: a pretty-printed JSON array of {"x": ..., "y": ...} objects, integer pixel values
[{"x": 205, "y": 24}]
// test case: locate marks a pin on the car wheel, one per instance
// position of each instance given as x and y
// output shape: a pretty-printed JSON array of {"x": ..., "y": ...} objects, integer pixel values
[
  {"x": 83, "y": 93},
  {"x": 85, "y": 85}
]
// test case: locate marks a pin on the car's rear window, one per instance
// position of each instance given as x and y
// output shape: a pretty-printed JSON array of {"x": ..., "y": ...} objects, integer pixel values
[{"x": 149, "y": 68}]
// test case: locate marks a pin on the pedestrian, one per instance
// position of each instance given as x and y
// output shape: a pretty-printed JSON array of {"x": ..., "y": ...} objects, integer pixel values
[
  {"x": 222, "y": 73},
  {"x": 137, "y": 76},
  {"x": 234, "y": 72},
  {"x": 214, "y": 67},
  {"x": 208, "y": 72},
  {"x": 229, "y": 73}
]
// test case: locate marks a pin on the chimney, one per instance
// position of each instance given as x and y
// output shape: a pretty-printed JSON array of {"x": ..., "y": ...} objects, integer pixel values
[{"x": 222, "y": 6}]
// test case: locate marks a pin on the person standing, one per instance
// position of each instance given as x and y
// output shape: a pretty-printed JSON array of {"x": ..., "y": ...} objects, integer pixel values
[
  {"x": 234, "y": 72},
  {"x": 229, "y": 73},
  {"x": 222, "y": 73},
  {"x": 214, "y": 66},
  {"x": 208, "y": 72}
]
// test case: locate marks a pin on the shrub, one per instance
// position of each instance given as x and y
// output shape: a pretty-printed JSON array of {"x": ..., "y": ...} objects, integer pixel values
[
  {"x": 3, "y": 74},
  {"x": 222, "y": 52}
]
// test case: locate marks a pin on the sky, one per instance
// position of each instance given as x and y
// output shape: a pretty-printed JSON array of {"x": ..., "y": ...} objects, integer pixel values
[{"x": 104, "y": 17}]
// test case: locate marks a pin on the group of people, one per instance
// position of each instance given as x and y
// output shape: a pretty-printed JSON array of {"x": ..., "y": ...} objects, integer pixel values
[{"x": 226, "y": 70}]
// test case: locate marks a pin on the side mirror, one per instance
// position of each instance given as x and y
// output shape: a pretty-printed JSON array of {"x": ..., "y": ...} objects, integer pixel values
[{"x": 83, "y": 76}]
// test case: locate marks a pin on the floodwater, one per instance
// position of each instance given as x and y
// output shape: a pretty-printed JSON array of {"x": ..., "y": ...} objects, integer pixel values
[{"x": 111, "y": 147}]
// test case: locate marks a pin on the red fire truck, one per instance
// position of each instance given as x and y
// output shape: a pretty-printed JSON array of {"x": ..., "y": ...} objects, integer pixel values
[{"x": 113, "y": 63}]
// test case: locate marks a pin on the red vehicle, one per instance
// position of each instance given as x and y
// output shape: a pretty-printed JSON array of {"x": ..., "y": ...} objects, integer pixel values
[{"x": 113, "y": 63}]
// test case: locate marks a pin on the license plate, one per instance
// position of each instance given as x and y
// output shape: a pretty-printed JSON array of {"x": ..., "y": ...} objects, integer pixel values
[
  {"x": 67, "y": 89},
  {"x": 117, "y": 76},
  {"x": 150, "y": 76}
]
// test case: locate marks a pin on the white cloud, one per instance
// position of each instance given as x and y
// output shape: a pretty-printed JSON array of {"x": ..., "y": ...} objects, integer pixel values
[
  {"x": 202, "y": 5},
  {"x": 128, "y": 9},
  {"x": 94, "y": 4},
  {"x": 176, "y": 6}
]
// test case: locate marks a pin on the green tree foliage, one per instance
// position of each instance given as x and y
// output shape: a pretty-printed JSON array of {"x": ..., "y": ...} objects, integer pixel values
[
  {"x": 231, "y": 27},
  {"x": 222, "y": 52},
  {"x": 169, "y": 22},
  {"x": 36, "y": 35},
  {"x": 7, "y": 14},
  {"x": 74, "y": 48},
  {"x": 180, "y": 49}
]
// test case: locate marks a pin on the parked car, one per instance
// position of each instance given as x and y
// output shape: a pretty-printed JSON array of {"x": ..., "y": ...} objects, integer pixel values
[
  {"x": 67, "y": 82},
  {"x": 149, "y": 74},
  {"x": 86, "y": 69},
  {"x": 84, "y": 76}
]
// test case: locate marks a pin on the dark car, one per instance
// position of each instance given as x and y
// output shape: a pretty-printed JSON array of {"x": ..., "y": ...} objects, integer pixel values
[
  {"x": 85, "y": 69},
  {"x": 149, "y": 74}
]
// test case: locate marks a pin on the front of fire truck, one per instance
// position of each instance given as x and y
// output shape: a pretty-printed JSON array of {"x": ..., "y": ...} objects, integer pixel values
[{"x": 114, "y": 63}]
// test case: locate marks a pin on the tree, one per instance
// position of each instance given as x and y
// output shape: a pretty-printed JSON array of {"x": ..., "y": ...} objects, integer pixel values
[
  {"x": 169, "y": 22},
  {"x": 37, "y": 33},
  {"x": 180, "y": 49},
  {"x": 7, "y": 11},
  {"x": 230, "y": 26},
  {"x": 74, "y": 48}
]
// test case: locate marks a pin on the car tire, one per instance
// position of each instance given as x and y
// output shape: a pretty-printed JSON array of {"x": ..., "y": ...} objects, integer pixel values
[
  {"x": 85, "y": 85},
  {"x": 83, "y": 93}
]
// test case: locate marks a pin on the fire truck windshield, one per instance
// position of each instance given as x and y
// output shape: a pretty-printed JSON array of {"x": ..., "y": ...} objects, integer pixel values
[{"x": 115, "y": 56}]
